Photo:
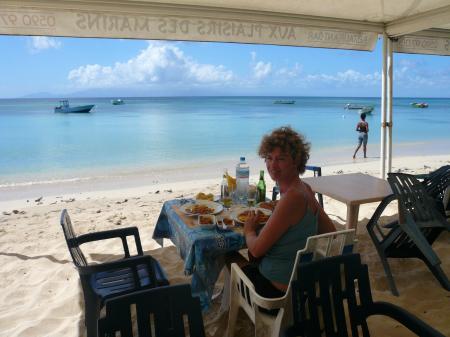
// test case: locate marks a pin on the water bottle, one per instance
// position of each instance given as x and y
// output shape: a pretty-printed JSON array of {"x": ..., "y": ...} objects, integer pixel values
[{"x": 242, "y": 179}]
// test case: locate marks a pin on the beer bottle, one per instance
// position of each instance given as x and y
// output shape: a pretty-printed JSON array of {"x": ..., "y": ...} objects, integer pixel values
[{"x": 261, "y": 187}]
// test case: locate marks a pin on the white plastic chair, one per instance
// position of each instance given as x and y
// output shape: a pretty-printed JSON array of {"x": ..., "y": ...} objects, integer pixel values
[{"x": 243, "y": 294}]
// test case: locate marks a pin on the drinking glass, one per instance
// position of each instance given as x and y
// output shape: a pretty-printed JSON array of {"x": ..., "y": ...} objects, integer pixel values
[{"x": 251, "y": 196}]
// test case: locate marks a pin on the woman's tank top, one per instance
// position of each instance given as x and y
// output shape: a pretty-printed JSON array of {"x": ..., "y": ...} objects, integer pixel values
[{"x": 278, "y": 262}]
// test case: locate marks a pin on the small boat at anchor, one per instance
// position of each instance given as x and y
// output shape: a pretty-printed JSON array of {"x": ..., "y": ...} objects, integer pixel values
[
  {"x": 367, "y": 109},
  {"x": 117, "y": 101},
  {"x": 66, "y": 108},
  {"x": 281, "y": 101},
  {"x": 419, "y": 105}
]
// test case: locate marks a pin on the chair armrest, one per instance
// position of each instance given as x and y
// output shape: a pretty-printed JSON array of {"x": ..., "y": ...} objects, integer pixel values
[
  {"x": 263, "y": 302},
  {"x": 121, "y": 233},
  {"x": 380, "y": 209},
  {"x": 414, "y": 324}
]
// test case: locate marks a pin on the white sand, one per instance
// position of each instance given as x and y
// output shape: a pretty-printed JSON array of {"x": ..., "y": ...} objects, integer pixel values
[{"x": 41, "y": 295}]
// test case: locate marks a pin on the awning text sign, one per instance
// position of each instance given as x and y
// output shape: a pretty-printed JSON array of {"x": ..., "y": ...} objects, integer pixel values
[{"x": 167, "y": 27}]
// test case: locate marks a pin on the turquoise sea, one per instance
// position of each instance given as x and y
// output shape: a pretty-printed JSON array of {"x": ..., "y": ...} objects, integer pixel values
[{"x": 38, "y": 144}]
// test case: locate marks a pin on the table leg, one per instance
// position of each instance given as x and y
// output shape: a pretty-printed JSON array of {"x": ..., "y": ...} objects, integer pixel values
[{"x": 352, "y": 216}]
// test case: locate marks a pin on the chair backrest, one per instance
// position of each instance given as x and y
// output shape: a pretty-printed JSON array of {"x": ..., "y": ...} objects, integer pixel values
[
  {"x": 322, "y": 297},
  {"x": 324, "y": 245},
  {"x": 414, "y": 200},
  {"x": 71, "y": 239},
  {"x": 159, "y": 312},
  {"x": 437, "y": 182}
]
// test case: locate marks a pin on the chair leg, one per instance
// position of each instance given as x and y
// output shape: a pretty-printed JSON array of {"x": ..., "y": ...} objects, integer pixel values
[
  {"x": 439, "y": 274},
  {"x": 234, "y": 309},
  {"x": 388, "y": 272},
  {"x": 91, "y": 316},
  {"x": 91, "y": 324}
]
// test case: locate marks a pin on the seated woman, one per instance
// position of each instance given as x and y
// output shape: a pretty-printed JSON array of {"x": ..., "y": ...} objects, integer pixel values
[{"x": 297, "y": 215}]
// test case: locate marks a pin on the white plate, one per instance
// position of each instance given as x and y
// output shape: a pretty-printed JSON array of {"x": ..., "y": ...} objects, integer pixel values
[
  {"x": 214, "y": 206},
  {"x": 237, "y": 212}
]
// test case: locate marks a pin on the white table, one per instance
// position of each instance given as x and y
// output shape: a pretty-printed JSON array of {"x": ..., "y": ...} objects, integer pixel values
[{"x": 352, "y": 189}]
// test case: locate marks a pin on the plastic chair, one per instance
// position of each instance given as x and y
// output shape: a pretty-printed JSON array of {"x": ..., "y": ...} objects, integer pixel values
[
  {"x": 333, "y": 298},
  {"x": 158, "y": 312},
  {"x": 101, "y": 281},
  {"x": 437, "y": 184},
  {"x": 414, "y": 237},
  {"x": 317, "y": 173},
  {"x": 243, "y": 292}
]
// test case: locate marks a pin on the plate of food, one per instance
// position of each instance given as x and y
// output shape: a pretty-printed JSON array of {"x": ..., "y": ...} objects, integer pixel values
[
  {"x": 270, "y": 205},
  {"x": 201, "y": 207},
  {"x": 240, "y": 216},
  {"x": 206, "y": 221}
]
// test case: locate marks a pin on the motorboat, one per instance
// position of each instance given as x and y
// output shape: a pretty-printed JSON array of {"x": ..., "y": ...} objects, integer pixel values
[
  {"x": 284, "y": 102},
  {"x": 419, "y": 105},
  {"x": 117, "y": 101},
  {"x": 366, "y": 110},
  {"x": 362, "y": 108},
  {"x": 66, "y": 108}
]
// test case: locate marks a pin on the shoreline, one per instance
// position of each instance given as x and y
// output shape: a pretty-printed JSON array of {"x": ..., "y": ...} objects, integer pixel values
[{"x": 189, "y": 178}]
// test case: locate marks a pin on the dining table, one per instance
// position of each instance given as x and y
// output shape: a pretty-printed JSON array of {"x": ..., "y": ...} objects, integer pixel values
[
  {"x": 353, "y": 189},
  {"x": 202, "y": 249}
]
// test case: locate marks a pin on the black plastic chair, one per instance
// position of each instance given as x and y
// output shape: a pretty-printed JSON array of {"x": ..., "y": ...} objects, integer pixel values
[
  {"x": 102, "y": 281},
  {"x": 333, "y": 298},
  {"x": 414, "y": 237},
  {"x": 317, "y": 173},
  {"x": 436, "y": 184},
  {"x": 159, "y": 312}
]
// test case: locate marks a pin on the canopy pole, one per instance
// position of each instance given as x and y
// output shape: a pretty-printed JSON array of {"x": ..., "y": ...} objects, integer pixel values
[
  {"x": 390, "y": 66},
  {"x": 383, "y": 110}
]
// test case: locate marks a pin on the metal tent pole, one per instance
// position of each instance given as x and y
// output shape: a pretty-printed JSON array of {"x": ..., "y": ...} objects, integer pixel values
[
  {"x": 390, "y": 66},
  {"x": 383, "y": 110}
]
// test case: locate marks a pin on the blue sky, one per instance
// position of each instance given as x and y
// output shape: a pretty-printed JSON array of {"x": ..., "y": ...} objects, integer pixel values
[{"x": 58, "y": 67}]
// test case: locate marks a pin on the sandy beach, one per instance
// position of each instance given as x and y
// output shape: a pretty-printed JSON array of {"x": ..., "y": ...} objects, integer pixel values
[{"x": 41, "y": 292}]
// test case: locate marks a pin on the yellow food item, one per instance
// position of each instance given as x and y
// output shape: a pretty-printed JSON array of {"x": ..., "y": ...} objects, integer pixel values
[
  {"x": 231, "y": 182},
  {"x": 203, "y": 196}
]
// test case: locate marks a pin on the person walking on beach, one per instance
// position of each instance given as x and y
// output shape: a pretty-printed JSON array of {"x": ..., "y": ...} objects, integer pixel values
[{"x": 363, "y": 128}]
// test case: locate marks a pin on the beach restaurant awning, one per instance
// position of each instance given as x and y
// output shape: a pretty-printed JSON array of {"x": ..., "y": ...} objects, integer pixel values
[
  {"x": 407, "y": 26},
  {"x": 344, "y": 24}
]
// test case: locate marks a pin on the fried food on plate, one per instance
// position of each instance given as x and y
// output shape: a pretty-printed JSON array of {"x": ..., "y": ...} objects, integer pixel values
[
  {"x": 262, "y": 217},
  {"x": 270, "y": 205},
  {"x": 199, "y": 209},
  {"x": 204, "y": 196}
]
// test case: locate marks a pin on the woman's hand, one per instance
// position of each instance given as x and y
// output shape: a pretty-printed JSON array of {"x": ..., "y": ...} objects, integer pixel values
[{"x": 252, "y": 223}]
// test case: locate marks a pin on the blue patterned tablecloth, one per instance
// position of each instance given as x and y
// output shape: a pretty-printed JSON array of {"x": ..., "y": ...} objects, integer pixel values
[{"x": 202, "y": 250}]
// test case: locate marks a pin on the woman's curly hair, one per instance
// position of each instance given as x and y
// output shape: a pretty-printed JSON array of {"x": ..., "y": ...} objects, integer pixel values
[{"x": 288, "y": 141}]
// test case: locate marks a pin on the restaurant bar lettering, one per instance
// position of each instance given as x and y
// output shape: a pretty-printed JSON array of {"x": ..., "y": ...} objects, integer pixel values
[{"x": 171, "y": 27}]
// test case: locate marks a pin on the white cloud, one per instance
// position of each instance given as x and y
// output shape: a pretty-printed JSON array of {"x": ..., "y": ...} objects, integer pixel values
[
  {"x": 348, "y": 77},
  {"x": 159, "y": 63},
  {"x": 261, "y": 70},
  {"x": 39, "y": 43}
]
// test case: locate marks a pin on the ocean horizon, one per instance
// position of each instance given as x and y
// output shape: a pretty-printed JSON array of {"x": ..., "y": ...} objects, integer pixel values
[{"x": 38, "y": 146}]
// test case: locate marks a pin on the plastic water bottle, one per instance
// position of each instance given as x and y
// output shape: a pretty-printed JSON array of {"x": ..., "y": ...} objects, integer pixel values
[{"x": 242, "y": 180}]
